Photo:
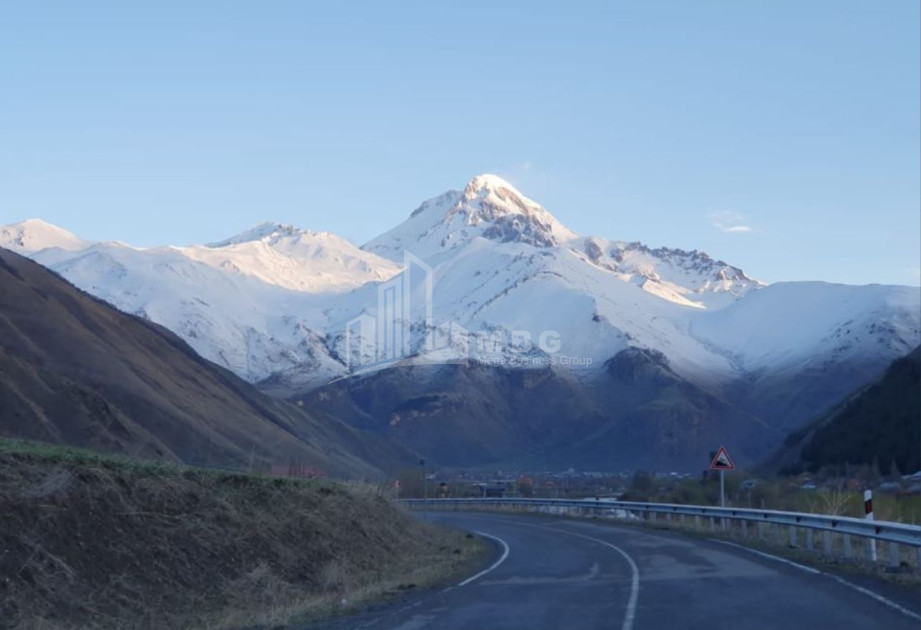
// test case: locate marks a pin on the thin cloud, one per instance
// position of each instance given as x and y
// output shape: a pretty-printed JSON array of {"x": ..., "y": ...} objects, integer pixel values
[
  {"x": 729, "y": 222},
  {"x": 521, "y": 174}
]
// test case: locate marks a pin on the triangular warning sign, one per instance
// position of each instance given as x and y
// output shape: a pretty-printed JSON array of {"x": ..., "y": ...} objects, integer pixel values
[{"x": 722, "y": 461}]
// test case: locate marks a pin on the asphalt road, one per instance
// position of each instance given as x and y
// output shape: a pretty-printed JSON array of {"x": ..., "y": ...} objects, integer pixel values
[{"x": 560, "y": 574}]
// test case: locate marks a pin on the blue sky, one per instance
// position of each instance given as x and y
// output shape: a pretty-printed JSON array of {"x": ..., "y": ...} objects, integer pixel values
[{"x": 669, "y": 122}]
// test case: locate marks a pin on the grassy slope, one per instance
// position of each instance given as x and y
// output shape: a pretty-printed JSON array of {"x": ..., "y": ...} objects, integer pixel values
[{"x": 96, "y": 541}]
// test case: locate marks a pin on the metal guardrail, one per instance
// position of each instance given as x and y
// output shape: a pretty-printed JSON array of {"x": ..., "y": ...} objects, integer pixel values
[{"x": 894, "y": 533}]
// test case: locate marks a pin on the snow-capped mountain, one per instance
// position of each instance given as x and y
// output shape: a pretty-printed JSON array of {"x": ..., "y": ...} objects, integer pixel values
[
  {"x": 285, "y": 256},
  {"x": 502, "y": 262},
  {"x": 216, "y": 298},
  {"x": 491, "y": 209},
  {"x": 253, "y": 303},
  {"x": 488, "y": 207},
  {"x": 225, "y": 316},
  {"x": 34, "y": 235},
  {"x": 273, "y": 303}
]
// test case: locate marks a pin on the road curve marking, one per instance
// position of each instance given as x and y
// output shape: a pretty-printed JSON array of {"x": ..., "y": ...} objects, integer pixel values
[
  {"x": 630, "y": 614},
  {"x": 801, "y": 567},
  {"x": 505, "y": 552},
  {"x": 883, "y": 600}
]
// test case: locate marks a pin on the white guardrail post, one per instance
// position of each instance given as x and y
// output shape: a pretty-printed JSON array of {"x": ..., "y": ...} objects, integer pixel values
[
  {"x": 868, "y": 514},
  {"x": 868, "y": 529}
]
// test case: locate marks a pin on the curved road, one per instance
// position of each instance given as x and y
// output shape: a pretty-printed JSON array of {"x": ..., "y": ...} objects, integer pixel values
[{"x": 561, "y": 574}]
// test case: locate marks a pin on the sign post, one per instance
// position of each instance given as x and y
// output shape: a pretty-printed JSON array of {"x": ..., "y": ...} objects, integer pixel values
[{"x": 722, "y": 462}]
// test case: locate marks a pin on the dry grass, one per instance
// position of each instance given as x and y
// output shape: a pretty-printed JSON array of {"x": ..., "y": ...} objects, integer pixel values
[{"x": 88, "y": 541}]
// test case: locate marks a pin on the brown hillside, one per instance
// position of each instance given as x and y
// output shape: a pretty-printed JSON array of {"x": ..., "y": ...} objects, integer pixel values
[{"x": 75, "y": 370}]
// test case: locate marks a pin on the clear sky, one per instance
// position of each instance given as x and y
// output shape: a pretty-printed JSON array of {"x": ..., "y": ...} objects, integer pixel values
[{"x": 781, "y": 136}]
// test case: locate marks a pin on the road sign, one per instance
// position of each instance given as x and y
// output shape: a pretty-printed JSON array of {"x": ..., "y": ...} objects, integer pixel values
[{"x": 722, "y": 461}]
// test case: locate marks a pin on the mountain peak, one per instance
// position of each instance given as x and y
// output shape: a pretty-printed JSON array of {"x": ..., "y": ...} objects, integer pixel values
[
  {"x": 488, "y": 207},
  {"x": 494, "y": 189},
  {"x": 490, "y": 182},
  {"x": 506, "y": 214},
  {"x": 33, "y": 235},
  {"x": 293, "y": 258},
  {"x": 267, "y": 230},
  {"x": 37, "y": 224}
]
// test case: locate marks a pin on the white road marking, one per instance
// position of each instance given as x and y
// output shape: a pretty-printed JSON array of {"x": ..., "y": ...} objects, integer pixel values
[
  {"x": 630, "y": 614},
  {"x": 801, "y": 567},
  {"x": 495, "y": 564},
  {"x": 416, "y": 623},
  {"x": 877, "y": 597},
  {"x": 883, "y": 600}
]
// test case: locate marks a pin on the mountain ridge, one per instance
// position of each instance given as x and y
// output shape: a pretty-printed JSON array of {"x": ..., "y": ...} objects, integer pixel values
[{"x": 273, "y": 303}]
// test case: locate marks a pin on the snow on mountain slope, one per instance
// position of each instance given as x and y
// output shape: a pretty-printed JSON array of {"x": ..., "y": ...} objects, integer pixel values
[
  {"x": 253, "y": 303},
  {"x": 503, "y": 263},
  {"x": 500, "y": 288},
  {"x": 687, "y": 278},
  {"x": 274, "y": 301},
  {"x": 35, "y": 235},
  {"x": 791, "y": 323},
  {"x": 246, "y": 325},
  {"x": 488, "y": 207},
  {"x": 800, "y": 347},
  {"x": 295, "y": 259}
]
